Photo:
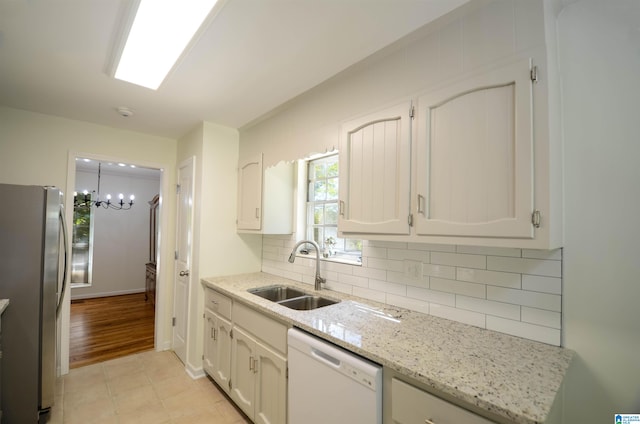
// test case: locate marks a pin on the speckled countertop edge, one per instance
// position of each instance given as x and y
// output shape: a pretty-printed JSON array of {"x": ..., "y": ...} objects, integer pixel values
[
  {"x": 512, "y": 377},
  {"x": 3, "y": 305}
]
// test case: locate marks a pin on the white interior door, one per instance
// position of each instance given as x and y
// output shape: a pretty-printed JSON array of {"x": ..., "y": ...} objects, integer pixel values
[{"x": 182, "y": 278}]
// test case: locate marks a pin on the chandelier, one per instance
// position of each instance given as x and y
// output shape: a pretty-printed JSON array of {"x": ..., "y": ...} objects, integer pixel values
[{"x": 86, "y": 201}]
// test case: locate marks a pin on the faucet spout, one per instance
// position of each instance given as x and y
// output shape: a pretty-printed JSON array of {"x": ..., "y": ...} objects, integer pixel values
[{"x": 292, "y": 257}]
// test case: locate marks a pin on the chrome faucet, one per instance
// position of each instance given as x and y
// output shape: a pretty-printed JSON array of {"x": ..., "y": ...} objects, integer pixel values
[{"x": 292, "y": 257}]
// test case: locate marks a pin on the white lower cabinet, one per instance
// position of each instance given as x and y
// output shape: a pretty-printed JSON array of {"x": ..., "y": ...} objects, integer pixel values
[
  {"x": 258, "y": 379},
  {"x": 410, "y": 405},
  {"x": 217, "y": 349},
  {"x": 251, "y": 369}
]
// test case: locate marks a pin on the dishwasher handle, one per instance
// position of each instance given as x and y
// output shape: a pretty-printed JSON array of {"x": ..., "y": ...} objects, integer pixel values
[{"x": 326, "y": 358}]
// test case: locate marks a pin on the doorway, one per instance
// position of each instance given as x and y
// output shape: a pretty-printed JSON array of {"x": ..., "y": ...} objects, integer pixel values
[{"x": 116, "y": 263}]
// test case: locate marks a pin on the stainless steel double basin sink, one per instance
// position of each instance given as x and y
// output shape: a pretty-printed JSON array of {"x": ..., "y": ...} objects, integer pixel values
[{"x": 292, "y": 298}]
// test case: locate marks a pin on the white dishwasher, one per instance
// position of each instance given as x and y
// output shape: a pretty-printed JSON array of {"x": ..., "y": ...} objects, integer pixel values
[{"x": 328, "y": 384}]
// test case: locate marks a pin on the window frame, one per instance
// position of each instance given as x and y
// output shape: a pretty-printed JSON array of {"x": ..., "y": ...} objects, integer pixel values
[{"x": 340, "y": 251}]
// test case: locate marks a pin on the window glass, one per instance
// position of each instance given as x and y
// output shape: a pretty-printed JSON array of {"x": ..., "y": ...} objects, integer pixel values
[
  {"x": 322, "y": 210},
  {"x": 81, "y": 243}
]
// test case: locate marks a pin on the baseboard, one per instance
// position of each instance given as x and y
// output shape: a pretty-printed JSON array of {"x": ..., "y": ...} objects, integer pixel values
[
  {"x": 106, "y": 294},
  {"x": 195, "y": 373}
]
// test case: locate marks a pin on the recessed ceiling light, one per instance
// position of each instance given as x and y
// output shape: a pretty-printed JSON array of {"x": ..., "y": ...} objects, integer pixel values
[
  {"x": 122, "y": 164},
  {"x": 160, "y": 32}
]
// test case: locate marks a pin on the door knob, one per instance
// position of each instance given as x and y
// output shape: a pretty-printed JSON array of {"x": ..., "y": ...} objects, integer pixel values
[{"x": 184, "y": 273}]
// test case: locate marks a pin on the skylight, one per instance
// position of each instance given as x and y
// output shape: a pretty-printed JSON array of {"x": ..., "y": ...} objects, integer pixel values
[{"x": 161, "y": 31}]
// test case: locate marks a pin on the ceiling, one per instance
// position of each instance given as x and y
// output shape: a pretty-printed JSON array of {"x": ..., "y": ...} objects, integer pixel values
[{"x": 254, "y": 56}]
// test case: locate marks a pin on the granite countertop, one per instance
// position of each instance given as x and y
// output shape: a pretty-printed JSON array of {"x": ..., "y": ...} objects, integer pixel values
[
  {"x": 512, "y": 377},
  {"x": 3, "y": 305}
]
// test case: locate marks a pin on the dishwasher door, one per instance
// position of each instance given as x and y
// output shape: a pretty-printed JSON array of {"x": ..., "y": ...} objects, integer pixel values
[{"x": 328, "y": 384}]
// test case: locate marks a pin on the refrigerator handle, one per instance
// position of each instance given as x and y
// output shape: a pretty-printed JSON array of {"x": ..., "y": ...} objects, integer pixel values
[{"x": 63, "y": 224}]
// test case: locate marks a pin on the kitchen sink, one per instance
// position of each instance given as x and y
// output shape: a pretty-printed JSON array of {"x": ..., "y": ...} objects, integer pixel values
[
  {"x": 306, "y": 303},
  {"x": 277, "y": 293},
  {"x": 292, "y": 298}
]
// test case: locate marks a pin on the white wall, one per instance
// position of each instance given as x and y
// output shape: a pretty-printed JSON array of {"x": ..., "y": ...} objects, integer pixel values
[
  {"x": 599, "y": 46},
  {"x": 121, "y": 238},
  {"x": 35, "y": 149},
  {"x": 516, "y": 291},
  {"x": 218, "y": 248}
]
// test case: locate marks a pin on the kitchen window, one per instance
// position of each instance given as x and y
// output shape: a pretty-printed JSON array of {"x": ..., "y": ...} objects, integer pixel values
[{"x": 322, "y": 211}]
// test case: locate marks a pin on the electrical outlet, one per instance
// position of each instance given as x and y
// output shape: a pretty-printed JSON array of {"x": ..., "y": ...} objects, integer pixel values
[{"x": 412, "y": 269}]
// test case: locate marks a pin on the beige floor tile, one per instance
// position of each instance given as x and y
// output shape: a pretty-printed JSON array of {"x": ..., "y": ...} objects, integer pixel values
[
  {"x": 174, "y": 386},
  {"x": 151, "y": 414},
  {"x": 149, "y": 387},
  {"x": 128, "y": 382},
  {"x": 94, "y": 412},
  {"x": 96, "y": 392},
  {"x": 136, "y": 399}
]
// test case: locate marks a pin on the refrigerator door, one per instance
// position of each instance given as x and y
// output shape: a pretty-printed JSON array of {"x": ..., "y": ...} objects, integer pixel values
[{"x": 29, "y": 252}]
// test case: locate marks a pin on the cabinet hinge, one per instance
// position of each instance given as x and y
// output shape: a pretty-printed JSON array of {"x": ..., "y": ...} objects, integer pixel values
[
  {"x": 203, "y": 357},
  {"x": 230, "y": 387},
  {"x": 173, "y": 321},
  {"x": 534, "y": 74},
  {"x": 410, "y": 220},
  {"x": 177, "y": 188},
  {"x": 231, "y": 334},
  {"x": 412, "y": 112},
  {"x": 535, "y": 218},
  {"x": 175, "y": 255}
]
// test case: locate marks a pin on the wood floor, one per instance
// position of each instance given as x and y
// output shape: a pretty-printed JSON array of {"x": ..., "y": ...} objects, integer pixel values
[{"x": 110, "y": 327}]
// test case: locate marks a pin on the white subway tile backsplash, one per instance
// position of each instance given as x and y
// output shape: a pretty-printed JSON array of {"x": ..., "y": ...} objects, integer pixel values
[
  {"x": 375, "y": 295},
  {"x": 524, "y": 329},
  {"x": 513, "y": 291},
  {"x": 458, "y": 287},
  {"x": 441, "y": 271},
  {"x": 525, "y": 266},
  {"x": 353, "y": 280},
  {"x": 550, "y": 302},
  {"x": 536, "y": 283},
  {"x": 390, "y": 244},
  {"x": 400, "y": 278},
  {"x": 541, "y": 317},
  {"x": 405, "y": 302},
  {"x": 460, "y": 315},
  {"x": 431, "y": 296},
  {"x": 378, "y": 274},
  {"x": 543, "y": 254},
  {"x": 384, "y": 286},
  {"x": 402, "y": 254},
  {"x": 494, "y": 278},
  {"x": 489, "y": 307},
  {"x": 494, "y": 251},
  {"x": 374, "y": 252},
  {"x": 459, "y": 259},
  {"x": 433, "y": 247}
]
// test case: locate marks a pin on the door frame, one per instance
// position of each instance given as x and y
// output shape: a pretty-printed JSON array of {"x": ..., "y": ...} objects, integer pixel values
[{"x": 64, "y": 324}]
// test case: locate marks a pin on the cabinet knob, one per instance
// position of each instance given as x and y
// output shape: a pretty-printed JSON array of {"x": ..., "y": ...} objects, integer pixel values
[
  {"x": 429, "y": 421},
  {"x": 184, "y": 273}
]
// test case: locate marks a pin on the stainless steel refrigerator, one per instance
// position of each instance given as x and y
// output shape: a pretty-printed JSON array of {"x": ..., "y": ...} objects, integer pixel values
[{"x": 32, "y": 276}]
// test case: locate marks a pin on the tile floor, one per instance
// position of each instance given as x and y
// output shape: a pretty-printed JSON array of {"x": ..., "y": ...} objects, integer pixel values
[{"x": 148, "y": 387}]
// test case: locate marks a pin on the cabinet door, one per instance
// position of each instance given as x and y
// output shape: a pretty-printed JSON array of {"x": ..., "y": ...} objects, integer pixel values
[
  {"x": 250, "y": 194},
  {"x": 375, "y": 159},
  {"x": 242, "y": 371},
  {"x": 475, "y": 156},
  {"x": 209, "y": 348},
  {"x": 217, "y": 349},
  {"x": 271, "y": 387}
]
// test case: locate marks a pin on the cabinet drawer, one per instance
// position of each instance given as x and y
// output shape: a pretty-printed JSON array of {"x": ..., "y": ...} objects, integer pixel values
[
  {"x": 268, "y": 330},
  {"x": 218, "y": 303},
  {"x": 410, "y": 405}
]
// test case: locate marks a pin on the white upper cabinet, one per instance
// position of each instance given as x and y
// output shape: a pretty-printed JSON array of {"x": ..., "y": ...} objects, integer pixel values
[
  {"x": 265, "y": 198},
  {"x": 375, "y": 172},
  {"x": 474, "y": 157},
  {"x": 250, "y": 194}
]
